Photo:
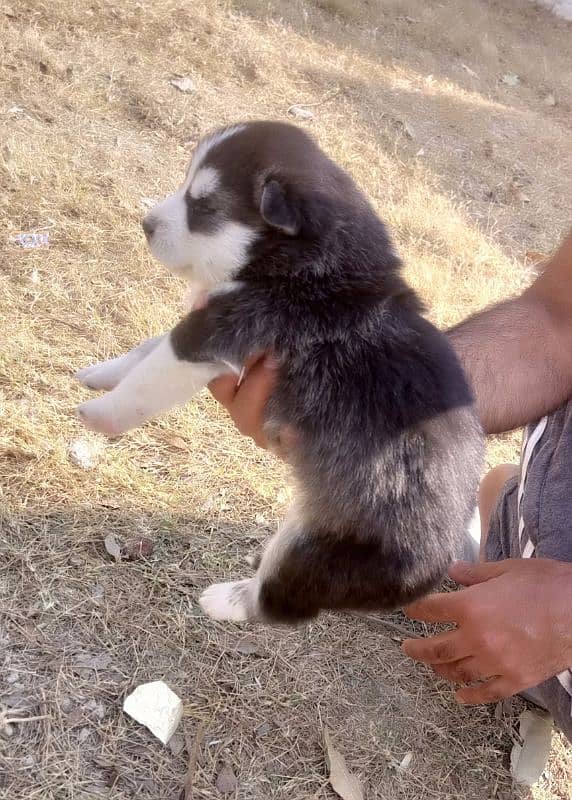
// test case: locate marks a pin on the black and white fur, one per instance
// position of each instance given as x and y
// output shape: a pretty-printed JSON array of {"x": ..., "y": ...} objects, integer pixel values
[{"x": 388, "y": 448}]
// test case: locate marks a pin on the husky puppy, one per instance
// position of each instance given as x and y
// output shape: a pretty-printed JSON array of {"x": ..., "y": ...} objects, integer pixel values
[{"x": 388, "y": 448}]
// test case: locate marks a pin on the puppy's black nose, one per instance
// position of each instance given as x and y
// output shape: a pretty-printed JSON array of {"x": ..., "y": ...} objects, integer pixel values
[{"x": 149, "y": 225}]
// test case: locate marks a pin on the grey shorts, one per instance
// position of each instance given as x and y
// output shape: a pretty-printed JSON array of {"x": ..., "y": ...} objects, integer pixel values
[{"x": 533, "y": 519}]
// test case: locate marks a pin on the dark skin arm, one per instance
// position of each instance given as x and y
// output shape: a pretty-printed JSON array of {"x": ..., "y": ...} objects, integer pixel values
[
  {"x": 514, "y": 620},
  {"x": 518, "y": 354}
]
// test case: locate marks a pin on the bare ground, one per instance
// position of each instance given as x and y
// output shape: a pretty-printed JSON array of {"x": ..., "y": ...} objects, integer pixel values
[{"x": 472, "y": 171}]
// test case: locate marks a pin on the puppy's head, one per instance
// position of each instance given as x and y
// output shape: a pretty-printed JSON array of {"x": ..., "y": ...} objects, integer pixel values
[{"x": 247, "y": 187}]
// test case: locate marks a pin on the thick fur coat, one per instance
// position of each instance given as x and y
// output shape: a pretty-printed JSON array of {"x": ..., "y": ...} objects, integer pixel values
[{"x": 388, "y": 449}]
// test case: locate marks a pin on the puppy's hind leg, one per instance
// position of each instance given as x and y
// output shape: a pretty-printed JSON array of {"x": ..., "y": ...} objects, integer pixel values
[{"x": 276, "y": 593}]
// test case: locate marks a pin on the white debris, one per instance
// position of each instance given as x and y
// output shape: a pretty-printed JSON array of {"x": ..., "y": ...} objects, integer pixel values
[
  {"x": 528, "y": 761},
  {"x": 157, "y": 707},
  {"x": 29, "y": 241},
  {"x": 510, "y": 79},
  {"x": 183, "y": 83},
  {"x": 471, "y": 72},
  {"x": 562, "y": 8},
  {"x": 300, "y": 112},
  {"x": 84, "y": 453},
  {"x": 405, "y": 762},
  {"x": 112, "y": 546}
]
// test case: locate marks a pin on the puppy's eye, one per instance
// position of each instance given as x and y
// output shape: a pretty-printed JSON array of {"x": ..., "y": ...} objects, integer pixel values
[{"x": 203, "y": 206}]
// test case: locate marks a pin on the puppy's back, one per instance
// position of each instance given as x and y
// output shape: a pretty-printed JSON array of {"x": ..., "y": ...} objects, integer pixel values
[{"x": 388, "y": 462}]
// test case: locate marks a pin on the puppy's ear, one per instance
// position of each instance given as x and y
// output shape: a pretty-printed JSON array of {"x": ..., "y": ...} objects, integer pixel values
[{"x": 278, "y": 210}]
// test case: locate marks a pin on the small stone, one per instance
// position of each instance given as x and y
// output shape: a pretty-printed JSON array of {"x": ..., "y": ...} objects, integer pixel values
[
  {"x": 405, "y": 762},
  {"x": 111, "y": 544},
  {"x": 97, "y": 592},
  {"x": 176, "y": 744},
  {"x": 300, "y": 112},
  {"x": 183, "y": 83},
  {"x": 248, "y": 646},
  {"x": 84, "y": 734},
  {"x": 83, "y": 453},
  {"x": 157, "y": 707},
  {"x": 263, "y": 730},
  {"x": 66, "y": 704},
  {"x": 226, "y": 780},
  {"x": 135, "y": 549},
  {"x": 510, "y": 79}
]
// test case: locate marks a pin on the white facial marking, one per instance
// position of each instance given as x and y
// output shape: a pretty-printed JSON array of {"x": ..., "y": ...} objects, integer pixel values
[
  {"x": 225, "y": 601},
  {"x": 158, "y": 383},
  {"x": 205, "y": 182},
  {"x": 206, "y": 144},
  {"x": 207, "y": 258}
]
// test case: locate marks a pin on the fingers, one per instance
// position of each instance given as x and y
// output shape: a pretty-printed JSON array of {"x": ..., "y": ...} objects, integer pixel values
[
  {"x": 224, "y": 389},
  {"x": 446, "y": 607},
  {"x": 246, "y": 402},
  {"x": 441, "y": 649},
  {"x": 464, "y": 671},
  {"x": 468, "y": 574},
  {"x": 490, "y": 691}
]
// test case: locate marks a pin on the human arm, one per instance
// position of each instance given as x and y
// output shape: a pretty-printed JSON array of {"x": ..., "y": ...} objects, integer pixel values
[{"x": 518, "y": 354}]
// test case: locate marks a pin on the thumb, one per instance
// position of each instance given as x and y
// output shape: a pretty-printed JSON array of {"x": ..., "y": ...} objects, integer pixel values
[{"x": 468, "y": 574}]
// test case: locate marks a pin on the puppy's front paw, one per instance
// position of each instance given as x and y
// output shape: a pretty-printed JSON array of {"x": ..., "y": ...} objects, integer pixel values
[
  {"x": 227, "y": 601},
  {"x": 97, "y": 415},
  {"x": 104, "y": 375}
]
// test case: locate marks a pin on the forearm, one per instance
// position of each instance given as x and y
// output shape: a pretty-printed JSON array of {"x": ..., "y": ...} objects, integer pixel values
[
  {"x": 514, "y": 373},
  {"x": 518, "y": 354}
]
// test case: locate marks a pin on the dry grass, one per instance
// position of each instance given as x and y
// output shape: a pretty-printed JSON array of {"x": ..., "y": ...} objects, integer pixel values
[{"x": 469, "y": 172}]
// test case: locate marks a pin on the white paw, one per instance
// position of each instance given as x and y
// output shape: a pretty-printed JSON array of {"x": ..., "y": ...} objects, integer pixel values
[
  {"x": 105, "y": 375},
  {"x": 227, "y": 601},
  {"x": 97, "y": 415}
]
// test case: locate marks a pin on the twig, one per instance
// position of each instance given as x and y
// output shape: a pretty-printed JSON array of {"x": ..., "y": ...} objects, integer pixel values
[
  {"x": 386, "y": 624},
  {"x": 330, "y": 94},
  {"x": 187, "y": 793},
  {"x": 12, "y": 720}
]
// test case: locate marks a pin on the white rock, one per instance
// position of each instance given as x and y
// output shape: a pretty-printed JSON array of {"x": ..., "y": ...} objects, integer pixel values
[
  {"x": 510, "y": 79},
  {"x": 300, "y": 112},
  {"x": 84, "y": 453},
  {"x": 157, "y": 707},
  {"x": 183, "y": 83}
]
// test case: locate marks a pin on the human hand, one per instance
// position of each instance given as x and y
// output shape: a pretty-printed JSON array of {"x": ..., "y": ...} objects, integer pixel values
[
  {"x": 514, "y": 627},
  {"x": 245, "y": 401}
]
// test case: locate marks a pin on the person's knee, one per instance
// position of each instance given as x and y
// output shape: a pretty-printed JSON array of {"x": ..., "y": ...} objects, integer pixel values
[
  {"x": 489, "y": 493},
  {"x": 493, "y": 482}
]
